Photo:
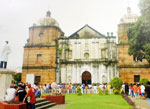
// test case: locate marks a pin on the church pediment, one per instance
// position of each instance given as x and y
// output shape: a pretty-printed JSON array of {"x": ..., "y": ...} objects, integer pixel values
[{"x": 87, "y": 32}]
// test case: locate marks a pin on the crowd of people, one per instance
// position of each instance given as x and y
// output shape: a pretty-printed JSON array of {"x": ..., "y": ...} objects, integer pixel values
[
  {"x": 23, "y": 92},
  {"x": 135, "y": 90},
  {"x": 72, "y": 88}
]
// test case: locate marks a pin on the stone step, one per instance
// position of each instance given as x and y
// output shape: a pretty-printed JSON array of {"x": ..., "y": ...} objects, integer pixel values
[
  {"x": 42, "y": 103},
  {"x": 46, "y": 106},
  {"x": 38, "y": 100}
]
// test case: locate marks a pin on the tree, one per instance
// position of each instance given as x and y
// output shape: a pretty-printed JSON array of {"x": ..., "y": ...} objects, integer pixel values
[
  {"x": 116, "y": 82},
  {"x": 79, "y": 91},
  {"x": 144, "y": 6},
  {"x": 17, "y": 77},
  {"x": 143, "y": 81},
  {"x": 139, "y": 33}
]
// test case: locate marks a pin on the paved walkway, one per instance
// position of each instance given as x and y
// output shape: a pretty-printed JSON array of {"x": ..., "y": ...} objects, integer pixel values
[
  {"x": 140, "y": 103},
  {"x": 60, "y": 106}
]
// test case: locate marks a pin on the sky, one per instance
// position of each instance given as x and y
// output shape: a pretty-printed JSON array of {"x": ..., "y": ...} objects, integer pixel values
[{"x": 16, "y": 16}]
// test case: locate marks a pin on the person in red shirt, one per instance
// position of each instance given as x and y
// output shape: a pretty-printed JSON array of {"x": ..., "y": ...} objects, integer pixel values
[
  {"x": 139, "y": 90},
  {"x": 31, "y": 94}
]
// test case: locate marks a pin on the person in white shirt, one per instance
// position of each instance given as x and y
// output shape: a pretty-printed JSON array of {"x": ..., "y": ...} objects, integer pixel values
[
  {"x": 10, "y": 93},
  {"x": 142, "y": 90},
  {"x": 123, "y": 88},
  {"x": 95, "y": 89}
]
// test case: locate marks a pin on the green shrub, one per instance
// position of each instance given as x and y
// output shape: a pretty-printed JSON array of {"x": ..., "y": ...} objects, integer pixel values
[
  {"x": 106, "y": 92},
  {"x": 79, "y": 91},
  {"x": 116, "y": 82},
  {"x": 121, "y": 42},
  {"x": 116, "y": 91},
  {"x": 100, "y": 92},
  {"x": 144, "y": 81},
  {"x": 106, "y": 63},
  {"x": 59, "y": 50},
  {"x": 66, "y": 47},
  {"x": 17, "y": 77}
]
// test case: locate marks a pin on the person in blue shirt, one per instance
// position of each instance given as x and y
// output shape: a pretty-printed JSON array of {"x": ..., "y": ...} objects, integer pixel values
[{"x": 38, "y": 93}]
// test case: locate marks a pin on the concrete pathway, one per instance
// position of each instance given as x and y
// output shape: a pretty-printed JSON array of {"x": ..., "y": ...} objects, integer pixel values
[
  {"x": 140, "y": 103},
  {"x": 60, "y": 106}
]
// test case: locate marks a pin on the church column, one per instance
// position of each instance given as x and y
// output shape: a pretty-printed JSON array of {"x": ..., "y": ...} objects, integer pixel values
[
  {"x": 96, "y": 50},
  {"x": 66, "y": 81},
  {"x": 78, "y": 74},
  {"x": 108, "y": 74},
  {"x": 93, "y": 50},
  {"x": 97, "y": 74},
  {"x": 63, "y": 74},
  {"x": 79, "y": 52},
  {"x": 73, "y": 74},
  {"x": 93, "y": 75},
  {"x": 111, "y": 69}
]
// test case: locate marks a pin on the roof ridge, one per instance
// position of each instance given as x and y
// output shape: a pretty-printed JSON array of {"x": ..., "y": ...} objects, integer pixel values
[{"x": 86, "y": 25}]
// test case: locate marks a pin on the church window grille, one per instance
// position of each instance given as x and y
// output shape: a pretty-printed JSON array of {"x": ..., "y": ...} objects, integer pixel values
[
  {"x": 137, "y": 59},
  {"x": 136, "y": 78},
  {"x": 41, "y": 35},
  {"x": 37, "y": 79},
  {"x": 39, "y": 58}
]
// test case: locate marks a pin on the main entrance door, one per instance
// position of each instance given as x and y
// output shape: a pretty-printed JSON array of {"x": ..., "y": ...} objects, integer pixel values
[{"x": 86, "y": 78}]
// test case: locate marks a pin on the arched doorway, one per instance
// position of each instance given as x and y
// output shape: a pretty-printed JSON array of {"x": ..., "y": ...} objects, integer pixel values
[{"x": 86, "y": 78}]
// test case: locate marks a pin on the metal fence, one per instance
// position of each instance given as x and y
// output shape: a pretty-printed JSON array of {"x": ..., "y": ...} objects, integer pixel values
[{"x": 69, "y": 91}]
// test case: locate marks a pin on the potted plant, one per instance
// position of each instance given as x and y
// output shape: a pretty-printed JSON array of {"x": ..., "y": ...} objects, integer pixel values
[
  {"x": 58, "y": 98},
  {"x": 12, "y": 105}
]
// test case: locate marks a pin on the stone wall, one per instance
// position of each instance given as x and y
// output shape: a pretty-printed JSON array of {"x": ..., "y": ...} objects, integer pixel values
[
  {"x": 42, "y": 41},
  {"x": 47, "y": 75},
  {"x": 127, "y": 67},
  {"x": 124, "y": 59},
  {"x": 5, "y": 81},
  {"x": 127, "y": 74},
  {"x": 48, "y": 56},
  {"x": 50, "y": 33}
]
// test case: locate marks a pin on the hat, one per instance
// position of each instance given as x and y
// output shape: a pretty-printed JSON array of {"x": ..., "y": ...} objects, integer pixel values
[{"x": 29, "y": 85}]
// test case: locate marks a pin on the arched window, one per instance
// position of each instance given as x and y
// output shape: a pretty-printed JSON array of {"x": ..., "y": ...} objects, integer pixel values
[{"x": 86, "y": 55}]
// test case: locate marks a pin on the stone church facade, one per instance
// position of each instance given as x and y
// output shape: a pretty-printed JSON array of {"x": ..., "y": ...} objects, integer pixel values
[{"x": 86, "y": 56}]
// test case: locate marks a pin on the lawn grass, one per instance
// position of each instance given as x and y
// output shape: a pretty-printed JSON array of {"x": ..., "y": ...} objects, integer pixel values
[{"x": 95, "y": 101}]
